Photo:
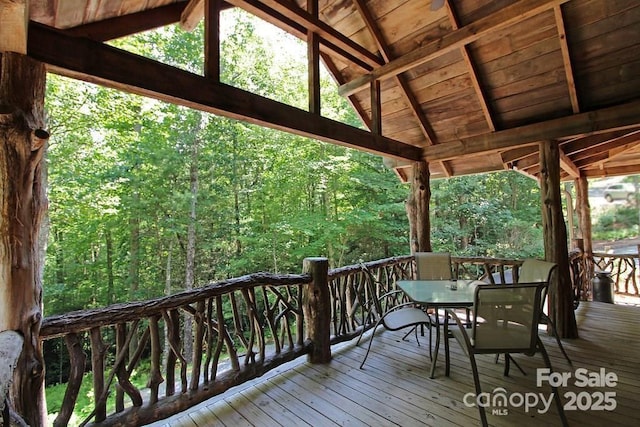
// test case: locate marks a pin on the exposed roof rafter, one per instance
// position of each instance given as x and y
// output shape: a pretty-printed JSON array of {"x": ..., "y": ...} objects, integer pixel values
[
  {"x": 456, "y": 39},
  {"x": 279, "y": 12},
  {"x": 618, "y": 117}
]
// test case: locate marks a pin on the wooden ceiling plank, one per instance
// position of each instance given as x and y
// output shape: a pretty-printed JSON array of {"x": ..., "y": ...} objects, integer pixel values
[
  {"x": 473, "y": 73},
  {"x": 114, "y": 28},
  {"x": 566, "y": 58},
  {"x": 612, "y": 118},
  {"x": 266, "y": 9},
  {"x": 622, "y": 142},
  {"x": 611, "y": 171},
  {"x": 95, "y": 62},
  {"x": 14, "y": 15},
  {"x": 575, "y": 146},
  {"x": 513, "y": 156},
  {"x": 454, "y": 40},
  {"x": 405, "y": 90}
]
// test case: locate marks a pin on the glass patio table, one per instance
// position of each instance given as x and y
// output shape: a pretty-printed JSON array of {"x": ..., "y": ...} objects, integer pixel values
[{"x": 438, "y": 294}]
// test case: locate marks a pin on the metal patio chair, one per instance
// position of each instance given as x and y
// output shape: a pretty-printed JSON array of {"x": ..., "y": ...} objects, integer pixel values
[
  {"x": 504, "y": 320},
  {"x": 399, "y": 316},
  {"x": 538, "y": 271}
]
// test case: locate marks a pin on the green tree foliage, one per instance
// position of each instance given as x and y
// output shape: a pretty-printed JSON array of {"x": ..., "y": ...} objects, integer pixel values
[{"x": 495, "y": 215}]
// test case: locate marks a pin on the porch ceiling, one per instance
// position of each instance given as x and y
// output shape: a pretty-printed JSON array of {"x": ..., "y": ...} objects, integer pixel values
[{"x": 472, "y": 86}]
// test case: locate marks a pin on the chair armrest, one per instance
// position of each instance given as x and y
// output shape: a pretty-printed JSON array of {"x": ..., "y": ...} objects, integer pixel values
[
  {"x": 386, "y": 294},
  {"x": 452, "y": 314}
]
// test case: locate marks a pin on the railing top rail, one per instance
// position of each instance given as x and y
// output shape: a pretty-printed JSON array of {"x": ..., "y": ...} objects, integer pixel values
[
  {"x": 78, "y": 321},
  {"x": 350, "y": 269},
  {"x": 485, "y": 260}
]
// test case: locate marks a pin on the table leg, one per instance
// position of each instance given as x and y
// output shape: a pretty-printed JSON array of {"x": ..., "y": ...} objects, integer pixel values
[{"x": 436, "y": 348}]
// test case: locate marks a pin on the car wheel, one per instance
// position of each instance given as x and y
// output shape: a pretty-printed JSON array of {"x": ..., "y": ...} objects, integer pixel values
[{"x": 608, "y": 198}]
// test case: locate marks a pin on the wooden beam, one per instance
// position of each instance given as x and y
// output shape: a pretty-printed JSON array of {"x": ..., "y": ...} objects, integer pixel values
[
  {"x": 456, "y": 39},
  {"x": 619, "y": 143},
  {"x": 611, "y": 171},
  {"x": 357, "y": 106},
  {"x": 126, "y": 25},
  {"x": 212, "y": 39},
  {"x": 192, "y": 14},
  {"x": 86, "y": 60},
  {"x": 313, "y": 62},
  {"x": 274, "y": 11},
  {"x": 376, "y": 109},
  {"x": 516, "y": 154},
  {"x": 582, "y": 143},
  {"x": 607, "y": 119},
  {"x": 566, "y": 59},
  {"x": 568, "y": 166},
  {"x": 14, "y": 15}
]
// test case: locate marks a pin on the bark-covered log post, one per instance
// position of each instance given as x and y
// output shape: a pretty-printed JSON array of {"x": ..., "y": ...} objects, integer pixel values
[
  {"x": 23, "y": 207},
  {"x": 417, "y": 207},
  {"x": 316, "y": 305},
  {"x": 584, "y": 208},
  {"x": 555, "y": 241}
]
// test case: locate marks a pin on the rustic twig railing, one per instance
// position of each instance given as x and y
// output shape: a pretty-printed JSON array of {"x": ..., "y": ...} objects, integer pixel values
[
  {"x": 243, "y": 328},
  {"x": 623, "y": 269}
]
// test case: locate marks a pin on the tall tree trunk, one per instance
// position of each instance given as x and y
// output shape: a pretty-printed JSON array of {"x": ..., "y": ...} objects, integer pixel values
[
  {"x": 134, "y": 261},
  {"x": 555, "y": 240},
  {"x": 191, "y": 246},
  {"x": 110, "y": 279},
  {"x": 236, "y": 198},
  {"x": 167, "y": 292},
  {"x": 22, "y": 218}
]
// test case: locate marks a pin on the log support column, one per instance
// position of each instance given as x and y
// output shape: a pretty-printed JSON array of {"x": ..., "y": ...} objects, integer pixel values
[
  {"x": 555, "y": 241},
  {"x": 316, "y": 304},
  {"x": 23, "y": 207},
  {"x": 417, "y": 207},
  {"x": 584, "y": 211}
]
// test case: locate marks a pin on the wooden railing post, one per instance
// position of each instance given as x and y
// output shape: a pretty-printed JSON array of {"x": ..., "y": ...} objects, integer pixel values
[{"x": 317, "y": 309}]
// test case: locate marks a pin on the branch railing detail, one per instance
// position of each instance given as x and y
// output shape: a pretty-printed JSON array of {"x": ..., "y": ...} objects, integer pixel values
[
  {"x": 623, "y": 270},
  {"x": 242, "y": 328}
]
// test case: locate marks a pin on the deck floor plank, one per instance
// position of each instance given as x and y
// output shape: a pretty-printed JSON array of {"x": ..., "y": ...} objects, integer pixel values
[{"x": 394, "y": 387}]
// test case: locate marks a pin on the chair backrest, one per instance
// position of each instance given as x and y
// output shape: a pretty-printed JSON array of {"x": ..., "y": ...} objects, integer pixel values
[
  {"x": 535, "y": 270},
  {"x": 506, "y": 318},
  {"x": 433, "y": 265}
]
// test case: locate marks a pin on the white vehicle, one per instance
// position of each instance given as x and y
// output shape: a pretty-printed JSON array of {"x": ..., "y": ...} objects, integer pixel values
[{"x": 620, "y": 191}]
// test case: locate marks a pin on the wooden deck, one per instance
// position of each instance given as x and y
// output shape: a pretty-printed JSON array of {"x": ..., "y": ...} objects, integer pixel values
[{"x": 394, "y": 388}]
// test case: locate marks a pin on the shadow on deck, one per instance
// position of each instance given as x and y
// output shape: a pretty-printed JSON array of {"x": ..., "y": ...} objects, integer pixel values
[{"x": 394, "y": 388}]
